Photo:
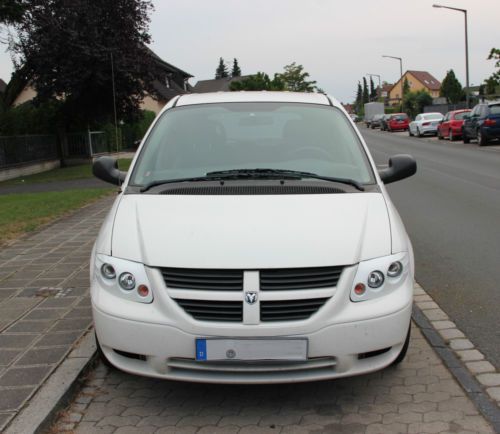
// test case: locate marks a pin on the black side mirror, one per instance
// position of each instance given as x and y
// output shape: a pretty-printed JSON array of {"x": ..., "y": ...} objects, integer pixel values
[
  {"x": 106, "y": 168},
  {"x": 400, "y": 167}
]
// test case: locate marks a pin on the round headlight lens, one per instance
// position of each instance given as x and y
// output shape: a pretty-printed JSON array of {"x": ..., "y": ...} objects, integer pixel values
[
  {"x": 108, "y": 271},
  {"x": 395, "y": 269},
  {"x": 375, "y": 279},
  {"x": 127, "y": 281}
]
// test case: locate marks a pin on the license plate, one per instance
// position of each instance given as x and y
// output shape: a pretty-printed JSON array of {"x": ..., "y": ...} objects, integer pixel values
[{"x": 293, "y": 349}]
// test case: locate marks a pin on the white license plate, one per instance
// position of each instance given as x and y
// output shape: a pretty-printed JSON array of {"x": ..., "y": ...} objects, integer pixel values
[{"x": 294, "y": 349}]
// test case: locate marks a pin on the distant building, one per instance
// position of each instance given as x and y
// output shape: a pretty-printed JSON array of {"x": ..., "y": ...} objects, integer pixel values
[
  {"x": 217, "y": 84},
  {"x": 417, "y": 80},
  {"x": 173, "y": 83}
]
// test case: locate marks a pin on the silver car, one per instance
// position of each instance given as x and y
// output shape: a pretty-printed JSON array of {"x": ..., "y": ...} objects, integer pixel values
[{"x": 425, "y": 123}]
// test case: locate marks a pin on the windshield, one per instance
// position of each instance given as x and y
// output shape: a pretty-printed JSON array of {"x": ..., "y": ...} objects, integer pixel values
[{"x": 192, "y": 141}]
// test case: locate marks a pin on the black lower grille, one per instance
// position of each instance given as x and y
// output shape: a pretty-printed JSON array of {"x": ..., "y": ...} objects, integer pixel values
[
  {"x": 206, "y": 279},
  {"x": 299, "y": 278},
  {"x": 208, "y": 310},
  {"x": 290, "y": 310}
]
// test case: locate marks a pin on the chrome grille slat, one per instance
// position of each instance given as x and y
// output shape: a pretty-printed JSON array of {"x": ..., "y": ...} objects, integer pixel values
[
  {"x": 299, "y": 278},
  {"x": 290, "y": 310},
  {"x": 204, "y": 279},
  {"x": 216, "y": 310}
]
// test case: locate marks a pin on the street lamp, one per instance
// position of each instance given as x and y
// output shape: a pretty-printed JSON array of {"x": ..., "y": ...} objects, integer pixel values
[
  {"x": 401, "y": 73},
  {"x": 379, "y": 88},
  {"x": 467, "y": 96}
]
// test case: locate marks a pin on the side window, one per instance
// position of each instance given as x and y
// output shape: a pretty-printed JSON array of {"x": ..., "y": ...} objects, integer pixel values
[
  {"x": 485, "y": 111},
  {"x": 447, "y": 117},
  {"x": 418, "y": 118}
]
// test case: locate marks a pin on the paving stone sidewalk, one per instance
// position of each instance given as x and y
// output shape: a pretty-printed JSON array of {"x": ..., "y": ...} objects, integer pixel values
[
  {"x": 44, "y": 303},
  {"x": 419, "y": 396}
]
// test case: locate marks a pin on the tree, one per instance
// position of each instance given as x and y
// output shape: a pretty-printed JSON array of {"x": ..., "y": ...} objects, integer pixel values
[
  {"x": 236, "y": 72},
  {"x": 259, "y": 81},
  {"x": 451, "y": 88},
  {"x": 414, "y": 102},
  {"x": 366, "y": 95},
  {"x": 69, "y": 50},
  {"x": 492, "y": 82},
  {"x": 406, "y": 87},
  {"x": 373, "y": 90},
  {"x": 12, "y": 11},
  {"x": 295, "y": 79},
  {"x": 359, "y": 98},
  {"x": 221, "y": 71}
]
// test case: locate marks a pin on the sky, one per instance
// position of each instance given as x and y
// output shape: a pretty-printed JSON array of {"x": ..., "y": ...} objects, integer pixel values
[{"x": 337, "y": 41}]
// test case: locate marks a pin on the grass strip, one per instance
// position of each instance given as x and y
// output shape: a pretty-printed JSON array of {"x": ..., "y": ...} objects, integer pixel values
[
  {"x": 81, "y": 171},
  {"x": 22, "y": 213}
]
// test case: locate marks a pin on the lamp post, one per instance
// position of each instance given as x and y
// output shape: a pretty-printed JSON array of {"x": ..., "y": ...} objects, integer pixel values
[
  {"x": 401, "y": 74},
  {"x": 379, "y": 88},
  {"x": 467, "y": 92}
]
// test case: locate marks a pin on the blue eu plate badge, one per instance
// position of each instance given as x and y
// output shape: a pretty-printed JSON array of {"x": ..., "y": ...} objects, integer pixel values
[{"x": 201, "y": 349}]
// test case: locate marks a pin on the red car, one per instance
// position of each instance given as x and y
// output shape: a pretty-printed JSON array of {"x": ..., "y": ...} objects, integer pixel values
[
  {"x": 398, "y": 121},
  {"x": 451, "y": 126}
]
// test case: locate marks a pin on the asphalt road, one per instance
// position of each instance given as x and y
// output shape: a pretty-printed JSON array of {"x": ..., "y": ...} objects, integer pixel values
[{"x": 451, "y": 210}]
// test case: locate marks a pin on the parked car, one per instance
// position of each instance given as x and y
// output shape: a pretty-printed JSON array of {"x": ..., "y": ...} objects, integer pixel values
[
  {"x": 354, "y": 117},
  {"x": 383, "y": 121},
  {"x": 397, "y": 122},
  {"x": 252, "y": 241},
  {"x": 368, "y": 121},
  {"x": 425, "y": 123},
  {"x": 483, "y": 124},
  {"x": 451, "y": 126},
  {"x": 375, "y": 123}
]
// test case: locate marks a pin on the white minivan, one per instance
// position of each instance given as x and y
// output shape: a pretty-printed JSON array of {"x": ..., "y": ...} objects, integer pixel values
[{"x": 252, "y": 241}]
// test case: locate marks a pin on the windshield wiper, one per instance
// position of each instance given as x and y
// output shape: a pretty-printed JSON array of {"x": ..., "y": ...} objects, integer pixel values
[
  {"x": 170, "y": 181},
  {"x": 280, "y": 173}
]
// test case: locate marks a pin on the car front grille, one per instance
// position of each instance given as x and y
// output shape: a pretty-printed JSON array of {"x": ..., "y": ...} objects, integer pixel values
[
  {"x": 213, "y": 310},
  {"x": 204, "y": 279},
  {"x": 299, "y": 278},
  {"x": 290, "y": 310}
]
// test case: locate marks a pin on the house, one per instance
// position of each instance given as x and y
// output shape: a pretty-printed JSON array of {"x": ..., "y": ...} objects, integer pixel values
[
  {"x": 174, "y": 82},
  {"x": 217, "y": 84},
  {"x": 417, "y": 80}
]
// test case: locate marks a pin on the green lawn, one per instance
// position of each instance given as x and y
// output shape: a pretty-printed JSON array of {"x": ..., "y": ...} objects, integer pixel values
[
  {"x": 21, "y": 213},
  {"x": 63, "y": 174}
]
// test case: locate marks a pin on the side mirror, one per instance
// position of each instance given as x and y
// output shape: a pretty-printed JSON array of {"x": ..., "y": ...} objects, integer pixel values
[
  {"x": 400, "y": 167},
  {"x": 106, "y": 168}
]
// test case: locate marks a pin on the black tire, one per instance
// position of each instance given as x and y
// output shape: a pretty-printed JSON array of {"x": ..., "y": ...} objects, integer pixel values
[
  {"x": 409, "y": 133},
  {"x": 404, "y": 350},
  {"x": 465, "y": 138},
  {"x": 440, "y": 137},
  {"x": 419, "y": 134},
  {"x": 451, "y": 137},
  {"x": 101, "y": 355},
  {"x": 481, "y": 139}
]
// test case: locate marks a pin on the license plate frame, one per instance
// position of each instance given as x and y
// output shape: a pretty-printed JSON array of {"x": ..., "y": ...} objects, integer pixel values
[{"x": 251, "y": 349}]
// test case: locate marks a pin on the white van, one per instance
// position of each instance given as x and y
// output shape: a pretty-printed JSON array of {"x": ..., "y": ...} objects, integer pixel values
[{"x": 252, "y": 241}]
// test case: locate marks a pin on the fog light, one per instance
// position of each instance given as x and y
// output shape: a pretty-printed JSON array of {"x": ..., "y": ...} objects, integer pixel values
[
  {"x": 395, "y": 269},
  {"x": 127, "y": 281},
  {"x": 375, "y": 279},
  {"x": 359, "y": 289},
  {"x": 108, "y": 271},
  {"x": 143, "y": 290}
]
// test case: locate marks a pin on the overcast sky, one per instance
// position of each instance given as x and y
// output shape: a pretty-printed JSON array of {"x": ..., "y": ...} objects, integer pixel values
[{"x": 337, "y": 41}]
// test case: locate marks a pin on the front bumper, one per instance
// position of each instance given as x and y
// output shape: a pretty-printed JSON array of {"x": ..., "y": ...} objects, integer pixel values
[{"x": 345, "y": 338}]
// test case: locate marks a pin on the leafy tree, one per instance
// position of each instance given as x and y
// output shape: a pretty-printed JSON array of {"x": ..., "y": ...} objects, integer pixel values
[
  {"x": 373, "y": 90},
  {"x": 236, "y": 72},
  {"x": 492, "y": 82},
  {"x": 451, "y": 88},
  {"x": 295, "y": 79},
  {"x": 259, "y": 81},
  {"x": 221, "y": 70},
  {"x": 11, "y": 11},
  {"x": 68, "y": 51},
  {"x": 414, "y": 102},
  {"x": 366, "y": 95}
]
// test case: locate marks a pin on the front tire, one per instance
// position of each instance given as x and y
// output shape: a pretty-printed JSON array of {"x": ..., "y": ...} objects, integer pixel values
[
  {"x": 404, "y": 350},
  {"x": 465, "y": 138},
  {"x": 440, "y": 137},
  {"x": 419, "y": 134}
]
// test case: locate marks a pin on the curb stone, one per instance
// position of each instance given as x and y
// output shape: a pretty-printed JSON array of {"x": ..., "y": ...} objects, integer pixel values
[
  {"x": 57, "y": 391},
  {"x": 476, "y": 375}
]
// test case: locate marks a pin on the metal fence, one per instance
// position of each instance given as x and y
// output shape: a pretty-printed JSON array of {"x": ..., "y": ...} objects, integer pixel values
[{"x": 17, "y": 150}]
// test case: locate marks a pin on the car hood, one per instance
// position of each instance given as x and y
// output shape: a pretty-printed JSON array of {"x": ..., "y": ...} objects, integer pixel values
[{"x": 251, "y": 232}]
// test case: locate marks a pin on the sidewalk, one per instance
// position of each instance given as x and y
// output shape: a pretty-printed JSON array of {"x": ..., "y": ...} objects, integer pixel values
[{"x": 44, "y": 303}]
